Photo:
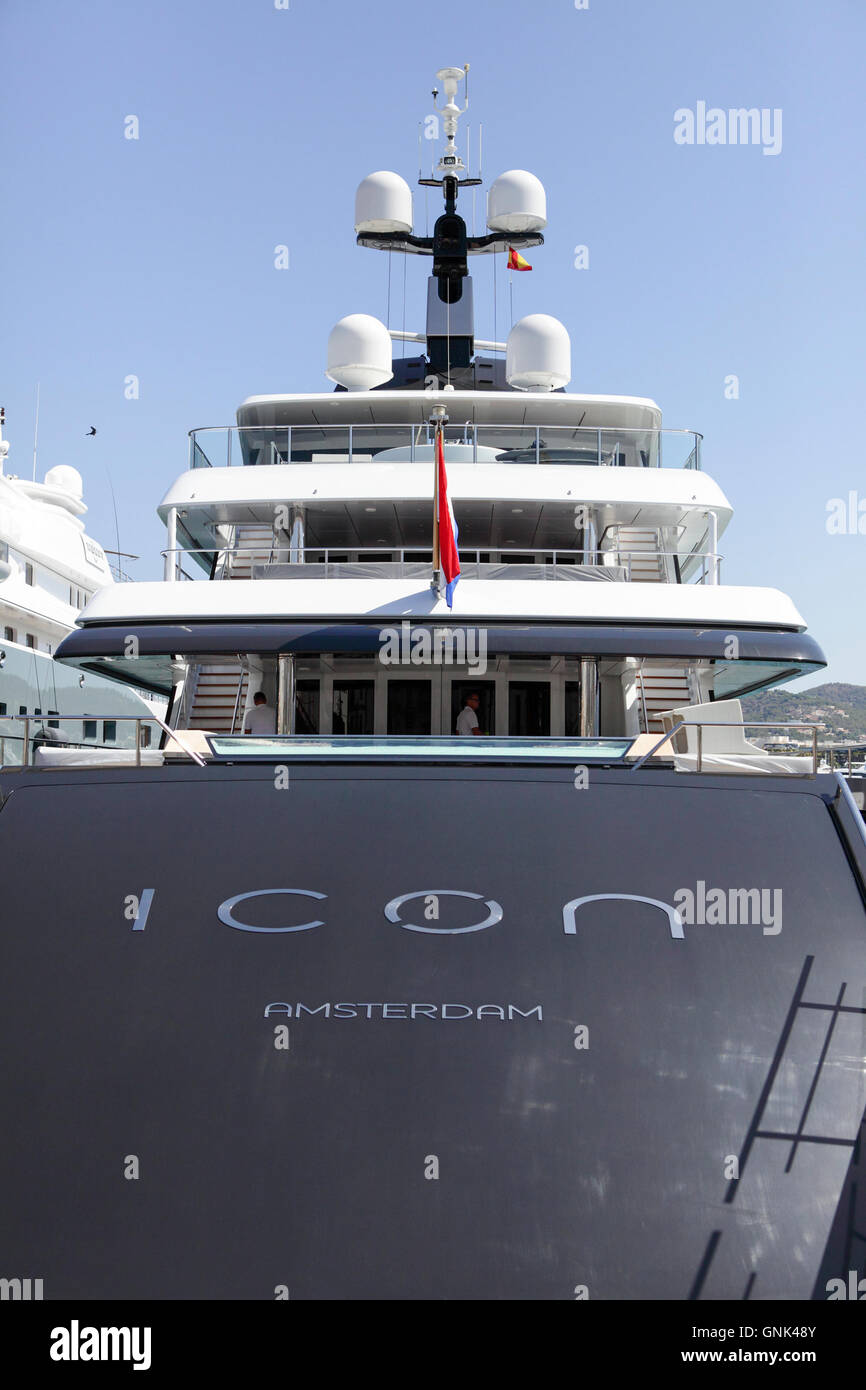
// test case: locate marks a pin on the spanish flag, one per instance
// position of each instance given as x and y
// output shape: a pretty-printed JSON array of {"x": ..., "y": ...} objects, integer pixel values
[{"x": 516, "y": 261}]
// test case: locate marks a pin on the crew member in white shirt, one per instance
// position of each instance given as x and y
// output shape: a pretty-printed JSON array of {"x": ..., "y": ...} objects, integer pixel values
[
  {"x": 261, "y": 720},
  {"x": 467, "y": 719}
]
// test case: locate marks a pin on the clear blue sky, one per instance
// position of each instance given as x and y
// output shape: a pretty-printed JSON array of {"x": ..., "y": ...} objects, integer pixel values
[{"x": 155, "y": 257}]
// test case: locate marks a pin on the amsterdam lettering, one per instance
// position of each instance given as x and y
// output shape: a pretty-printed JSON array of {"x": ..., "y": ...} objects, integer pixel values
[{"x": 505, "y": 1012}]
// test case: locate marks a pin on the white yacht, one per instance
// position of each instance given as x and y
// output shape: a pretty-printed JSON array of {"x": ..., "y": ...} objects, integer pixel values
[
  {"x": 49, "y": 569},
  {"x": 616, "y": 944}
]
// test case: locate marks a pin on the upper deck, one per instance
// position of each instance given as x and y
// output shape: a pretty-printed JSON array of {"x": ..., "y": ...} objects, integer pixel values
[
  {"x": 504, "y": 427},
  {"x": 543, "y": 478}
]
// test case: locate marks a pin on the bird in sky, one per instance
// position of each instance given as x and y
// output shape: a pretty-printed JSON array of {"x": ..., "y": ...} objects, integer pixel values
[{"x": 91, "y": 431}]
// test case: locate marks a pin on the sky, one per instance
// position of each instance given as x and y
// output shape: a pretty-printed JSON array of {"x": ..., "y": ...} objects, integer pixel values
[{"x": 154, "y": 257}]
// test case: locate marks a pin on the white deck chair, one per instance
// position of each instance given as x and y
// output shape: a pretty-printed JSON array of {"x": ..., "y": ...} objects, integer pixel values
[{"x": 726, "y": 748}]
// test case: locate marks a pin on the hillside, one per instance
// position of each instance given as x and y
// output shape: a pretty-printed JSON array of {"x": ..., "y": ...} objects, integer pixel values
[{"x": 841, "y": 708}]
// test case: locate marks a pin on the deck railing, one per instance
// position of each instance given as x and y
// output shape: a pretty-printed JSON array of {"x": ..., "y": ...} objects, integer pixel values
[
  {"x": 224, "y": 446},
  {"x": 620, "y": 748},
  {"x": 222, "y": 561},
  {"x": 29, "y": 746}
]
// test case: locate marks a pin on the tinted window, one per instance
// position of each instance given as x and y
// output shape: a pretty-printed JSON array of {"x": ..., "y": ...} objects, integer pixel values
[
  {"x": 353, "y": 707},
  {"x": 409, "y": 707},
  {"x": 307, "y": 707},
  {"x": 529, "y": 709}
]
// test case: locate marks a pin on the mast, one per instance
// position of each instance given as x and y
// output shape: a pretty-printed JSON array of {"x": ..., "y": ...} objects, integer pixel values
[{"x": 450, "y": 309}]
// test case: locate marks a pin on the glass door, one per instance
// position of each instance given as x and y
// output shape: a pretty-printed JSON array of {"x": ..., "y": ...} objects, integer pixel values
[
  {"x": 353, "y": 707},
  {"x": 409, "y": 707},
  {"x": 529, "y": 709}
]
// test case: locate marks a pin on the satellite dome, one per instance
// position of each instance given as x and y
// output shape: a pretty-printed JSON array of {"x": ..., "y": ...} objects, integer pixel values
[
  {"x": 66, "y": 478},
  {"x": 359, "y": 353},
  {"x": 538, "y": 354},
  {"x": 383, "y": 203},
  {"x": 517, "y": 203}
]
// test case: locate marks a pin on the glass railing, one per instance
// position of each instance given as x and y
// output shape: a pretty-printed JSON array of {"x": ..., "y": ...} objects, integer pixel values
[
  {"x": 223, "y": 446},
  {"x": 569, "y": 750}
]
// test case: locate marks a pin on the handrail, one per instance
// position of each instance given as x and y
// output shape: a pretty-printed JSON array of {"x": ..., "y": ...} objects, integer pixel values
[
  {"x": 744, "y": 724},
  {"x": 241, "y": 675},
  {"x": 137, "y": 719},
  {"x": 173, "y": 734},
  {"x": 455, "y": 425},
  {"x": 465, "y": 554},
  {"x": 656, "y": 746},
  {"x": 643, "y": 695},
  {"x": 610, "y": 444}
]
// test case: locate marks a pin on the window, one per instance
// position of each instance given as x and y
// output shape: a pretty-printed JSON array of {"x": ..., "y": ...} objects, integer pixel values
[
  {"x": 53, "y": 723},
  {"x": 353, "y": 707},
  {"x": 486, "y": 712},
  {"x": 31, "y": 641},
  {"x": 22, "y": 709},
  {"x": 2, "y": 707},
  {"x": 529, "y": 709},
  {"x": 90, "y": 728},
  {"x": 307, "y": 707},
  {"x": 572, "y": 709},
  {"x": 28, "y": 574},
  {"x": 409, "y": 705},
  {"x": 9, "y": 634},
  {"x": 109, "y": 730}
]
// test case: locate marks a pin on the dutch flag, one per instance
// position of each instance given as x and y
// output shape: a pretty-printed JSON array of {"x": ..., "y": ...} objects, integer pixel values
[{"x": 449, "y": 559}]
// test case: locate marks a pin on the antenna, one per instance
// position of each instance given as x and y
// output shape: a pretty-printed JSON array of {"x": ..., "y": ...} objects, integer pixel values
[
  {"x": 36, "y": 432},
  {"x": 451, "y": 163},
  {"x": 114, "y": 507}
]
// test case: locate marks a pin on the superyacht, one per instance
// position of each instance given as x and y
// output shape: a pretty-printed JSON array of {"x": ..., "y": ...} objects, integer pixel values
[
  {"x": 49, "y": 569},
  {"x": 500, "y": 958}
]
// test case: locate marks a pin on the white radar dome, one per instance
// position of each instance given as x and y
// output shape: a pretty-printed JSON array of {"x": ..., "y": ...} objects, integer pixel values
[
  {"x": 359, "y": 353},
  {"x": 383, "y": 203},
  {"x": 517, "y": 203},
  {"x": 538, "y": 354},
  {"x": 66, "y": 478}
]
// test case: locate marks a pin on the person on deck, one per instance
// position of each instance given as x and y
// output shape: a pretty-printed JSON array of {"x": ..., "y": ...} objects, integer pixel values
[
  {"x": 467, "y": 719},
  {"x": 261, "y": 720}
]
